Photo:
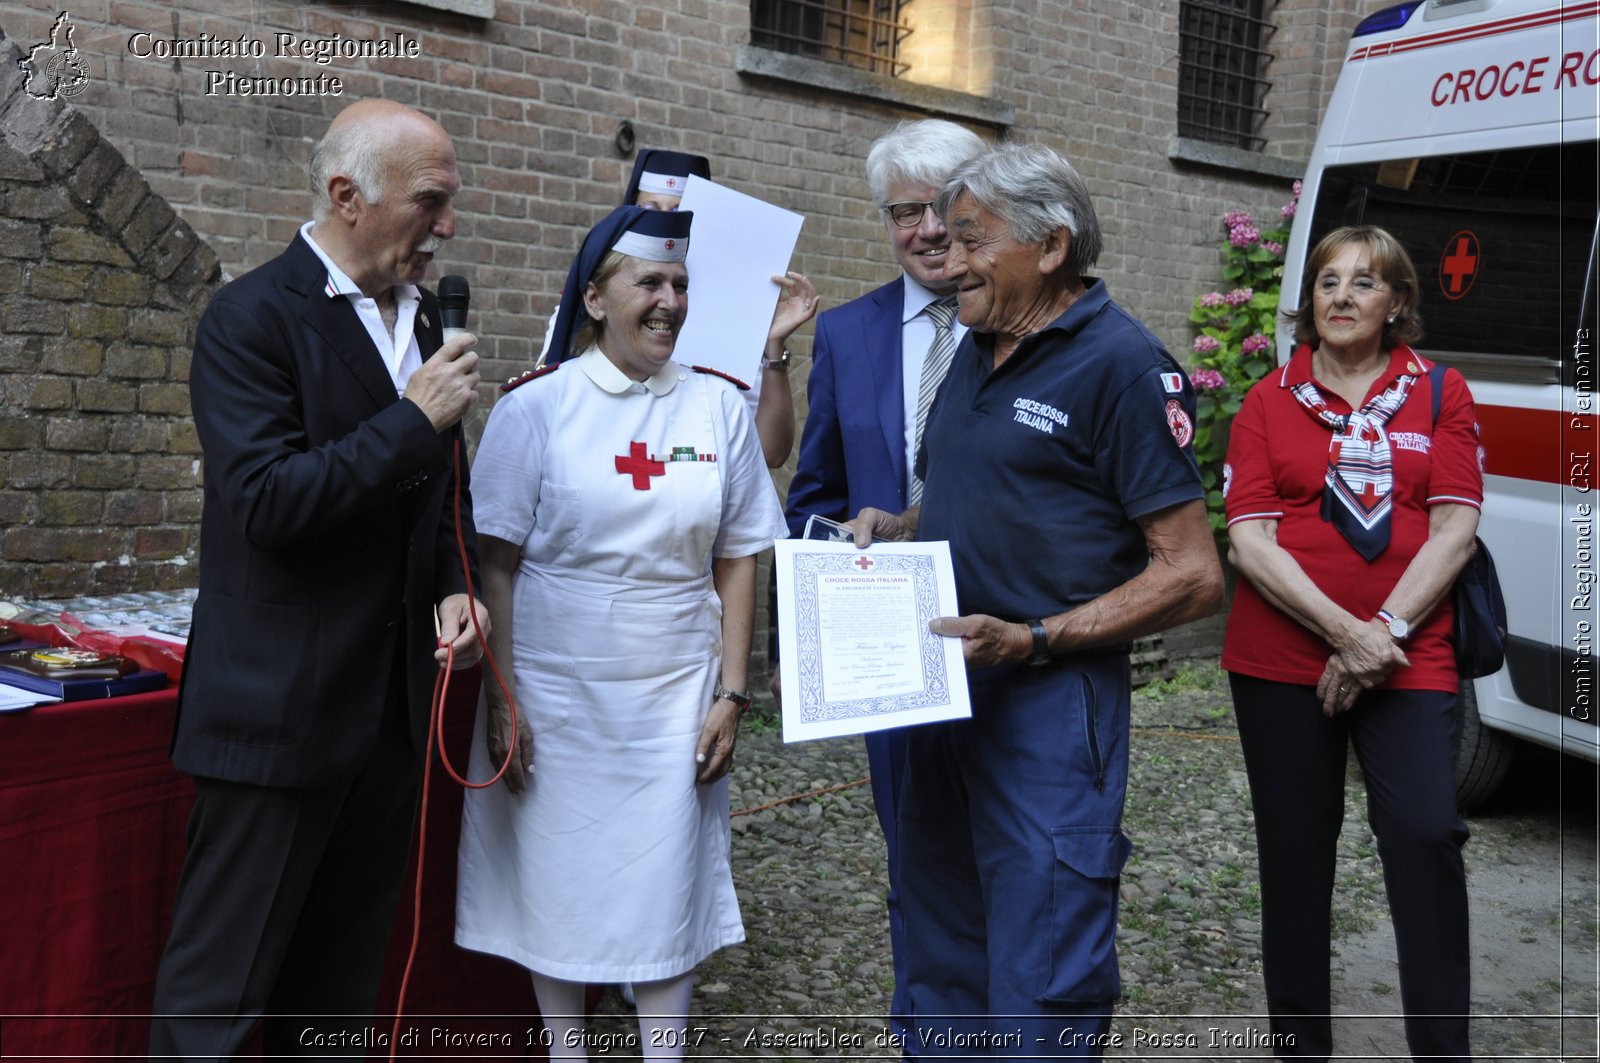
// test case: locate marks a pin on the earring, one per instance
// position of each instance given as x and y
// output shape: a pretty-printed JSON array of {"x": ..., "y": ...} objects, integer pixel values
[{"x": 1392, "y": 317}]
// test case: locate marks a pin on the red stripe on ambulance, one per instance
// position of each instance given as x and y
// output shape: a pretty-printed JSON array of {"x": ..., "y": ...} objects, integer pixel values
[{"x": 1541, "y": 445}]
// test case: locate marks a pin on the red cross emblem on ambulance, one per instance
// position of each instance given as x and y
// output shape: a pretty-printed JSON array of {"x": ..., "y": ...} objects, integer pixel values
[{"x": 1459, "y": 264}]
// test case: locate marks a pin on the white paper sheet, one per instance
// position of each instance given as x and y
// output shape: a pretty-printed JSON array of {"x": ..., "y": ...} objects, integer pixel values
[
  {"x": 854, "y": 640},
  {"x": 14, "y": 699},
  {"x": 737, "y": 245}
]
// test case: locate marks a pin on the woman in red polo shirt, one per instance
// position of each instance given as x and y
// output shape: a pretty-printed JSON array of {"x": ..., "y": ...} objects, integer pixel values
[{"x": 1350, "y": 511}]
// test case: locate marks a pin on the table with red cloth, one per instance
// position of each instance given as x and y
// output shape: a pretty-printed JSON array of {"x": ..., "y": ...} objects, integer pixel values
[{"x": 92, "y": 819}]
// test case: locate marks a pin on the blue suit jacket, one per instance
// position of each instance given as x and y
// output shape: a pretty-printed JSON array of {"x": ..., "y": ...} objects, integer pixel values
[{"x": 852, "y": 451}]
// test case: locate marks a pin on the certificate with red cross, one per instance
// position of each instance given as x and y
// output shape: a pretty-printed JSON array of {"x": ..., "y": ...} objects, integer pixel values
[{"x": 854, "y": 640}]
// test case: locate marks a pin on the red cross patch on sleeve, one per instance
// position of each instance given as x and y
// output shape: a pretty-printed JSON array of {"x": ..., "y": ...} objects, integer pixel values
[{"x": 1180, "y": 424}]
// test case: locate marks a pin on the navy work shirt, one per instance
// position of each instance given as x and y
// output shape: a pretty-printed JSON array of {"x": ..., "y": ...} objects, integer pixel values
[{"x": 1036, "y": 471}]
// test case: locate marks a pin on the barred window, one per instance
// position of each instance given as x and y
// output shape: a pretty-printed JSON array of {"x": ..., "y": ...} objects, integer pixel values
[
  {"x": 1222, "y": 66},
  {"x": 865, "y": 34}
]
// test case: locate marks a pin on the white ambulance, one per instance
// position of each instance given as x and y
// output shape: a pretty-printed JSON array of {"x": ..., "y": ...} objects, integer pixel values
[{"x": 1469, "y": 129}]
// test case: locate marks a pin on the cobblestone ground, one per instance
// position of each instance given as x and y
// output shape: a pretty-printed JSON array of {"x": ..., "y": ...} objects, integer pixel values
[{"x": 813, "y": 980}]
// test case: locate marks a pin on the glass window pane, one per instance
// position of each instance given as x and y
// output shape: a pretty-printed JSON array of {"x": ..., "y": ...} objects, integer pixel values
[{"x": 1501, "y": 241}]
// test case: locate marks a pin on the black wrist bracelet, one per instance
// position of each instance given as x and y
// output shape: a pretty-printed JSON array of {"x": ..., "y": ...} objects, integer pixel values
[{"x": 1041, "y": 643}]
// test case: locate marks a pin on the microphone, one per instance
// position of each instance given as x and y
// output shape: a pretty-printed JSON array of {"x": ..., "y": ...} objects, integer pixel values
[{"x": 454, "y": 295}]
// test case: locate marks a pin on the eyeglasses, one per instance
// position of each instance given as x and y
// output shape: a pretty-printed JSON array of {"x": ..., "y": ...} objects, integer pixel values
[{"x": 907, "y": 215}]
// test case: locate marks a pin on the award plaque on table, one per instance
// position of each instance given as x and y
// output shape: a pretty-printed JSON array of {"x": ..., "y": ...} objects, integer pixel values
[{"x": 76, "y": 675}]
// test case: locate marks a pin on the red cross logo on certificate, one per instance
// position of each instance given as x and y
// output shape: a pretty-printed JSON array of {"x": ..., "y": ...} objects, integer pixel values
[
  {"x": 1458, "y": 266},
  {"x": 863, "y": 563},
  {"x": 638, "y": 465}
]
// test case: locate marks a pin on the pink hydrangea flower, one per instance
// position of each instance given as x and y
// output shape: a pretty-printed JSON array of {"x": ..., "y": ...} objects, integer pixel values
[
  {"x": 1235, "y": 218},
  {"x": 1288, "y": 208},
  {"x": 1212, "y": 300},
  {"x": 1208, "y": 379},
  {"x": 1244, "y": 235},
  {"x": 1239, "y": 296},
  {"x": 1255, "y": 343},
  {"x": 1297, "y": 186},
  {"x": 1206, "y": 344},
  {"x": 1273, "y": 246}
]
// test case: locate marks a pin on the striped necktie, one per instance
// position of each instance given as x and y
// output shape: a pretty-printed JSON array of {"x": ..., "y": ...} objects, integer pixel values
[{"x": 935, "y": 364}]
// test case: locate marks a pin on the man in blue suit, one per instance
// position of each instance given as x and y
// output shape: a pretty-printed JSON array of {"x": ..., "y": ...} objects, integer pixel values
[{"x": 867, "y": 383}]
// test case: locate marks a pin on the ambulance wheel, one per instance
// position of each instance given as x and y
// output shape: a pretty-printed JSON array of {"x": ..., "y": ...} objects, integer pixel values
[{"x": 1483, "y": 755}]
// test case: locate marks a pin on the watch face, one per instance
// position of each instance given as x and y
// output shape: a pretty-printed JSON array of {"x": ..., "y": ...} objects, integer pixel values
[{"x": 1399, "y": 628}]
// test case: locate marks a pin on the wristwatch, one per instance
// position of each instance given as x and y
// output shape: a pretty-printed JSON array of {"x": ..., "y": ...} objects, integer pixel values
[
  {"x": 780, "y": 362},
  {"x": 1041, "y": 643},
  {"x": 740, "y": 698},
  {"x": 1397, "y": 626}
]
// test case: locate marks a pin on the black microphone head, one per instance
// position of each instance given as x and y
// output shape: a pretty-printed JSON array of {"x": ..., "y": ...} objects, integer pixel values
[{"x": 454, "y": 292}]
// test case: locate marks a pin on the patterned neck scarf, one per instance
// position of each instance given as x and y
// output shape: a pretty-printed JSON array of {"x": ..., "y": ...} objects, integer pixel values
[{"x": 1360, "y": 480}]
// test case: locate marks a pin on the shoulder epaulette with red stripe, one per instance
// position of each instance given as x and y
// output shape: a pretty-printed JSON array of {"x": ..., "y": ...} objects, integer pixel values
[
  {"x": 532, "y": 374},
  {"x": 735, "y": 381}
]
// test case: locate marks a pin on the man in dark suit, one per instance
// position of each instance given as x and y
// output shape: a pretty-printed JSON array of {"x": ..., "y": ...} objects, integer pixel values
[
  {"x": 329, "y": 538},
  {"x": 876, "y": 362}
]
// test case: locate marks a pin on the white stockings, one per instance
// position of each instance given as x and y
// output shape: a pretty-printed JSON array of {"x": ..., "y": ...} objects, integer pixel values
[{"x": 663, "y": 1016}]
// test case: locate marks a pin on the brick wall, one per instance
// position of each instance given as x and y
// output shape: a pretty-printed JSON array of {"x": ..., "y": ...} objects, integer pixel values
[
  {"x": 535, "y": 95},
  {"x": 99, "y": 285}
]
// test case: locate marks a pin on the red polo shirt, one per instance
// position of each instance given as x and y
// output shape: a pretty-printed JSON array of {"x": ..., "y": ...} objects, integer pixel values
[{"x": 1276, "y": 467}]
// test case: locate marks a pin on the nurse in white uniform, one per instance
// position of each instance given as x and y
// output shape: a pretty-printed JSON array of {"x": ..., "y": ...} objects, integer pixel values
[{"x": 620, "y": 500}]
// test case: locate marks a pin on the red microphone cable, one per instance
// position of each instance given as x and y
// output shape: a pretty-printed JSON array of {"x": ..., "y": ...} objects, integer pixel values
[{"x": 441, "y": 690}]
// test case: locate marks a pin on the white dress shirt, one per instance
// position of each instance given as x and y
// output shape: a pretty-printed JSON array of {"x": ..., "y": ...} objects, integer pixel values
[{"x": 401, "y": 355}]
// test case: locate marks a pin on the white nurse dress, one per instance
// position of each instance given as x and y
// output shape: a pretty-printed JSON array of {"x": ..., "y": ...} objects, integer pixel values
[{"x": 613, "y": 865}]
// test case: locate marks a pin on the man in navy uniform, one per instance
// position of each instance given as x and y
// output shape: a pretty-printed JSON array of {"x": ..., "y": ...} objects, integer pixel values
[
  {"x": 1057, "y": 464},
  {"x": 876, "y": 362}
]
